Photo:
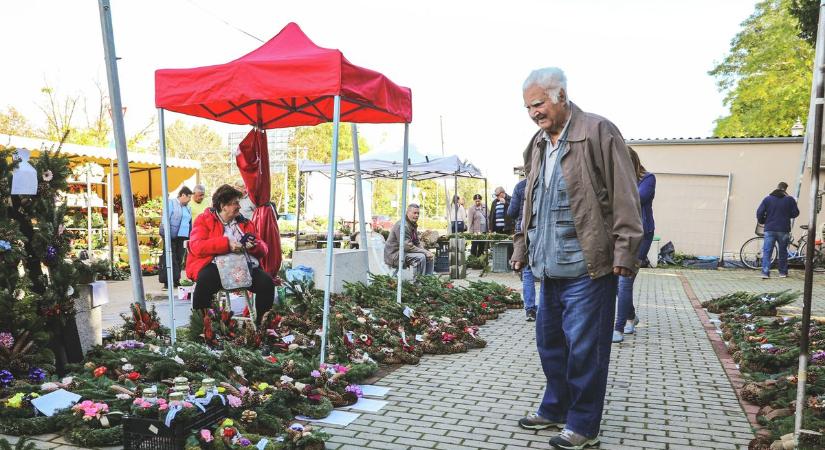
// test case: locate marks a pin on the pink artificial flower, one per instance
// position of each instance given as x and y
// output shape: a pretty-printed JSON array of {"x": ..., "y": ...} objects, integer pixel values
[
  {"x": 234, "y": 402},
  {"x": 163, "y": 407},
  {"x": 206, "y": 435},
  {"x": 187, "y": 405}
]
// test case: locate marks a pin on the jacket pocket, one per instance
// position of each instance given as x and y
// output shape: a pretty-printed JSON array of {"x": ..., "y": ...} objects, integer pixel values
[
  {"x": 531, "y": 244},
  {"x": 568, "y": 250}
]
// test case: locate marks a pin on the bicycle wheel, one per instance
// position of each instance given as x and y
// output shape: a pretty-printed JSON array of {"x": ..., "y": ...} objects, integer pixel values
[
  {"x": 751, "y": 253},
  {"x": 819, "y": 260}
]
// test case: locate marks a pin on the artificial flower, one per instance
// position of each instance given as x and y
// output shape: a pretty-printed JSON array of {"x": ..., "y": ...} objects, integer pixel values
[
  {"x": 244, "y": 441},
  {"x": 36, "y": 374},
  {"x": 206, "y": 435},
  {"x": 227, "y": 423},
  {"x": 315, "y": 374},
  {"x": 5, "y": 245},
  {"x": 47, "y": 175},
  {"x": 133, "y": 376},
  {"x": 6, "y": 378},
  {"x": 271, "y": 359},
  {"x": 228, "y": 432},
  {"x": 233, "y": 401},
  {"x": 100, "y": 371},
  {"x": 6, "y": 340}
]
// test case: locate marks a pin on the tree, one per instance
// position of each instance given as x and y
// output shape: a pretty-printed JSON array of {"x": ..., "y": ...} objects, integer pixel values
[
  {"x": 317, "y": 141},
  {"x": 807, "y": 13},
  {"x": 14, "y": 123},
  {"x": 185, "y": 141},
  {"x": 766, "y": 76}
]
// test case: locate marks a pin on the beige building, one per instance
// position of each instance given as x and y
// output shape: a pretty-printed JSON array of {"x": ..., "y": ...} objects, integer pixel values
[{"x": 708, "y": 190}]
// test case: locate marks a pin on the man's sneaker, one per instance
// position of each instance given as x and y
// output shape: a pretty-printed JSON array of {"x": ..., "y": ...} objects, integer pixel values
[
  {"x": 617, "y": 336},
  {"x": 536, "y": 422},
  {"x": 531, "y": 315},
  {"x": 630, "y": 326},
  {"x": 783, "y": 275},
  {"x": 570, "y": 440},
  {"x": 766, "y": 276}
]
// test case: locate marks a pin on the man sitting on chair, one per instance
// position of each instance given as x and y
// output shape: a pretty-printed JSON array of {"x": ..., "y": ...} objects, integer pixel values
[{"x": 415, "y": 255}]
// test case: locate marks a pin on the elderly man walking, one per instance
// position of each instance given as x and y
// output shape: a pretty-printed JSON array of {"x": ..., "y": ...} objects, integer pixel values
[
  {"x": 415, "y": 255},
  {"x": 581, "y": 228}
]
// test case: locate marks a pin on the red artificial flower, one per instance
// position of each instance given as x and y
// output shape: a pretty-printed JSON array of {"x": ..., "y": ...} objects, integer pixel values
[
  {"x": 449, "y": 286},
  {"x": 484, "y": 305},
  {"x": 228, "y": 432},
  {"x": 100, "y": 371},
  {"x": 760, "y": 330},
  {"x": 271, "y": 359},
  {"x": 133, "y": 376}
]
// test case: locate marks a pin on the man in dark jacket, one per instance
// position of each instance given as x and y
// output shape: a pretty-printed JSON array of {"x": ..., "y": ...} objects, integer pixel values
[
  {"x": 499, "y": 221},
  {"x": 528, "y": 282},
  {"x": 776, "y": 212}
]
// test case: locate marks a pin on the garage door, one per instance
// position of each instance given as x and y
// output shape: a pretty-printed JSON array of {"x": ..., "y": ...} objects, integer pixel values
[{"x": 689, "y": 210}]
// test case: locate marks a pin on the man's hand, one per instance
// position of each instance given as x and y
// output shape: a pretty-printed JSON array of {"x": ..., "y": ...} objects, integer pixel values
[
  {"x": 429, "y": 255},
  {"x": 235, "y": 247},
  {"x": 517, "y": 266},
  {"x": 622, "y": 271}
]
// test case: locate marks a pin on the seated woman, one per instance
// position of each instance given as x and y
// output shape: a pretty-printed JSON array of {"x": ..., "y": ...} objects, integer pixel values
[{"x": 219, "y": 231}]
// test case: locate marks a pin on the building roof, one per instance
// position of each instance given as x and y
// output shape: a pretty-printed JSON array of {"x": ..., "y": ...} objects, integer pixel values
[{"x": 717, "y": 140}]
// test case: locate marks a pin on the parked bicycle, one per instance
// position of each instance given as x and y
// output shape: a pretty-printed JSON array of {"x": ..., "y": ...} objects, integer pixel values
[{"x": 751, "y": 252}]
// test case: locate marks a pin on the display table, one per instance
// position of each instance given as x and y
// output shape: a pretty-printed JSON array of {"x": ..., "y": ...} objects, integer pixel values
[{"x": 348, "y": 265}]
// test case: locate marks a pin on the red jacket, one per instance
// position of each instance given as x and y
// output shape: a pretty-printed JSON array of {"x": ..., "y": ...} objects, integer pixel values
[{"x": 206, "y": 241}]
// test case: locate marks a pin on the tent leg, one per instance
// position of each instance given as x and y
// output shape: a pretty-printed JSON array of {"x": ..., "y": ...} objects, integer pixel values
[
  {"x": 331, "y": 223},
  {"x": 403, "y": 227},
  {"x": 122, "y": 153},
  {"x": 167, "y": 232},
  {"x": 455, "y": 231},
  {"x": 297, "y": 213},
  {"x": 359, "y": 193},
  {"x": 110, "y": 192}
]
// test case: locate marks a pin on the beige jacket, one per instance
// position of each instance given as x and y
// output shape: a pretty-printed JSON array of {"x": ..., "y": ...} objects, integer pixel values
[
  {"x": 391, "y": 247},
  {"x": 601, "y": 185}
]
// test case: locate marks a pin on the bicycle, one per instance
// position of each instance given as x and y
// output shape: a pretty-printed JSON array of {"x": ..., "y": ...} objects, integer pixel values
[{"x": 751, "y": 252}]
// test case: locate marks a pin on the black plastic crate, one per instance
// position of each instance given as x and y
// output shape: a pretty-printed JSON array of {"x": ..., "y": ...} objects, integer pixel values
[
  {"x": 442, "y": 264},
  {"x": 141, "y": 433}
]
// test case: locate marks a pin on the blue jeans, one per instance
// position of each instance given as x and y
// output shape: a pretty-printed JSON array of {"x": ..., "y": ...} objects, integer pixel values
[
  {"x": 625, "y": 310},
  {"x": 573, "y": 335},
  {"x": 781, "y": 239},
  {"x": 528, "y": 287}
]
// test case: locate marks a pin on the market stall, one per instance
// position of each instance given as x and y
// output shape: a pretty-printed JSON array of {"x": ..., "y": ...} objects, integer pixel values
[{"x": 289, "y": 81}]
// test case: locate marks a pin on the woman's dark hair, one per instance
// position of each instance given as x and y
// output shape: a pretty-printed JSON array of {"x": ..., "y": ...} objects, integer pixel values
[
  {"x": 184, "y": 191},
  {"x": 637, "y": 164},
  {"x": 224, "y": 195}
]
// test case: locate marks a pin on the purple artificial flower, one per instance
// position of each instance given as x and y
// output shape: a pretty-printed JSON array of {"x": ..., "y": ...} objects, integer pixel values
[
  {"x": 244, "y": 441},
  {"x": 6, "y": 378},
  {"x": 51, "y": 253},
  {"x": 818, "y": 356},
  {"x": 6, "y": 340},
  {"x": 315, "y": 374},
  {"x": 233, "y": 401},
  {"x": 36, "y": 374},
  {"x": 355, "y": 389}
]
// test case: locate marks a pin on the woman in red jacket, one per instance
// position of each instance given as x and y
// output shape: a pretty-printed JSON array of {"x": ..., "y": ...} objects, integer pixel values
[{"x": 219, "y": 231}]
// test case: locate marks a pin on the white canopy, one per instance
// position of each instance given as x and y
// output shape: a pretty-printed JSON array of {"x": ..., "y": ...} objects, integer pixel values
[{"x": 374, "y": 167}]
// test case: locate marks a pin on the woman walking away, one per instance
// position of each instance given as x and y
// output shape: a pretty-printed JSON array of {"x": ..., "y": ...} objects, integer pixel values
[{"x": 626, "y": 318}]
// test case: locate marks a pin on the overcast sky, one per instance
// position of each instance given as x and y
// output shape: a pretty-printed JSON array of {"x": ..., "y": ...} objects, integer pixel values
[{"x": 641, "y": 63}]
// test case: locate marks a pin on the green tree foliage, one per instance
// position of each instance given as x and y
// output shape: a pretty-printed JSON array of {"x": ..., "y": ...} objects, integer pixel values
[
  {"x": 767, "y": 75},
  {"x": 317, "y": 141},
  {"x": 807, "y": 13},
  {"x": 14, "y": 123}
]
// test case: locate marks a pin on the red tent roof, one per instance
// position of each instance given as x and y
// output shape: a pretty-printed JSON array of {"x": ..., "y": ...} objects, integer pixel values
[{"x": 289, "y": 81}]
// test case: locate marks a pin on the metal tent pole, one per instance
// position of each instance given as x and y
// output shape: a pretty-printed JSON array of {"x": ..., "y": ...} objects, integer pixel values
[
  {"x": 167, "y": 229},
  {"x": 122, "y": 152},
  {"x": 110, "y": 190},
  {"x": 804, "y": 338},
  {"x": 297, "y": 213},
  {"x": 359, "y": 192},
  {"x": 336, "y": 119},
  {"x": 401, "y": 239},
  {"x": 455, "y": 230}
]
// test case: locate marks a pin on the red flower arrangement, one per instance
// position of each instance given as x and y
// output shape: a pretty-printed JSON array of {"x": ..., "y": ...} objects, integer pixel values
[{"x": 100, "y": 371}]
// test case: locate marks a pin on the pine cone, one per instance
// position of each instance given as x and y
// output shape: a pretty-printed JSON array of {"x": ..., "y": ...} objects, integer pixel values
[{"x": 751, "y": 393}]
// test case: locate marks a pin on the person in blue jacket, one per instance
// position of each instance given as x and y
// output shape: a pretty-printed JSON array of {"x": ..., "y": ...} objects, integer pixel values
[
  {"x": 514, "y": 212},
  {"x": 626, "y": 318},
  {"x": 776, "y": 212}
]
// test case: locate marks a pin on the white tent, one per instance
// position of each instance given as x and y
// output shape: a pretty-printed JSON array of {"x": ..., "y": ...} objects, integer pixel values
[{"x": 376, "y": 167}]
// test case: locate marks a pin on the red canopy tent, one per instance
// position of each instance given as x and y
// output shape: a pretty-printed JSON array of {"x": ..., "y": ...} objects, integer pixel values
[{"x": 289, "y": 81}]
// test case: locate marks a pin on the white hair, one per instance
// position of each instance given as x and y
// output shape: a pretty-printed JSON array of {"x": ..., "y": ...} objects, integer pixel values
[
  {"x": 551, "y": 79},
  {"x": 199, "y": 188}
]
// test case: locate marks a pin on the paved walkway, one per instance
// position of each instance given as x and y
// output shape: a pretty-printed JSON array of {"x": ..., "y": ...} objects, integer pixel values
[{"x": 667, "y": 389}]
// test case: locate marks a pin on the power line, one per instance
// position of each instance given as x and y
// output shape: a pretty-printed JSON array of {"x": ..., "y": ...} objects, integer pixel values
[{"x": 225, "y": 21}]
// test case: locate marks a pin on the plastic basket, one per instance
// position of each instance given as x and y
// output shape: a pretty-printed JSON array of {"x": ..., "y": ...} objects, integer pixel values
[
  {"x": 442, "y": 263},
  {"x": 499, "y": 258},
  {"x": 141, "y": 433}
]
